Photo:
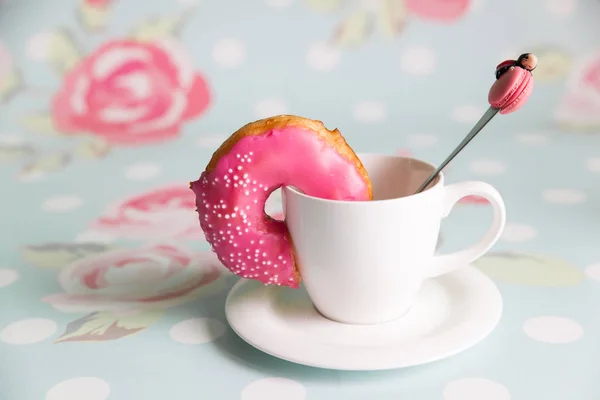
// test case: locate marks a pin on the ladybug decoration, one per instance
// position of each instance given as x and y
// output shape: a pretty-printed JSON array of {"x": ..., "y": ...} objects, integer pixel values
[{"x": 527, "y": 61}]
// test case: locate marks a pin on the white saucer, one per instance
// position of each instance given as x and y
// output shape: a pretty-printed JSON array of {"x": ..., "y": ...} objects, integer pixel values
[{"x": 451, "y": 314}]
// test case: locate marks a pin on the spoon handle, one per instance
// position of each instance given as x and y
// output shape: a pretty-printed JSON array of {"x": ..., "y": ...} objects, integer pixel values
[{"x": 487, "y": 117}]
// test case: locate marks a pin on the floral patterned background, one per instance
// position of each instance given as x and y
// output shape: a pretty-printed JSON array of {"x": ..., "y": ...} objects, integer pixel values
[{"x": 108, "y": 108}]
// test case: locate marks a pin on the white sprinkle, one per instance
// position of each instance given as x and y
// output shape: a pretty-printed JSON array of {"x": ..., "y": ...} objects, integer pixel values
[
  {"x": 226, "y": 216},
  {"x": 247, "y": 192},
  {"x": 239, "y": 167},
  {"x": 245, "y": 176},
  {"x": 235, "y": 177},
  {"x": 237, "y": 155},
  {"x": 230, "y": 170},
  {"x": 261, "y": 241}
]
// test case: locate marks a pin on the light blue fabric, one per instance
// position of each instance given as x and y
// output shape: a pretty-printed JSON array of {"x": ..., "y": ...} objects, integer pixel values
[{"x": 420, "y": 90}]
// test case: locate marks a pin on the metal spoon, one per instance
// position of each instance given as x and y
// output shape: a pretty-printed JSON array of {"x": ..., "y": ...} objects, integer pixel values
[
  {"x": 527, "y": 61},
  {"x": 483, "y": 121}
]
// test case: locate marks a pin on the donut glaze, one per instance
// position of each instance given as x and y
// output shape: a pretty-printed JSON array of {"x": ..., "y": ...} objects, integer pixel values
[{"x": 256, "y": 160}]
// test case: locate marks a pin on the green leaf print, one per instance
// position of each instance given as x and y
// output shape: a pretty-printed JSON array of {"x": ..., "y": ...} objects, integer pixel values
[
  {"x": 57, "y": 255},
  {"x": 103, "y": 326},
  {"x": 529, "y": 269}
]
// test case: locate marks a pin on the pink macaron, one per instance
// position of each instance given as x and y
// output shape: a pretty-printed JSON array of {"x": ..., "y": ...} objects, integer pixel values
[{"x": 511, "y": 90}]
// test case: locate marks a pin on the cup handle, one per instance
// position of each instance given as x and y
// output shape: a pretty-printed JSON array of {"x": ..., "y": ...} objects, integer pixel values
[{"x": 445, "y": 263}]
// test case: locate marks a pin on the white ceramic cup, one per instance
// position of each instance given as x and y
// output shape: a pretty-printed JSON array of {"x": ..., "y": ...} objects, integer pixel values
[{"x": 363, "y": 262}]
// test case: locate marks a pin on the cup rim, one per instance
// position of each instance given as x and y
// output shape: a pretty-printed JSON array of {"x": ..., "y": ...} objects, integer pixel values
[{"x": 437, "y": 183}]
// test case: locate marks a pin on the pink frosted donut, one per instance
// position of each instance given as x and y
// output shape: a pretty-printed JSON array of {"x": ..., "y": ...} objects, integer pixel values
[{"x": 253, "y": 162}]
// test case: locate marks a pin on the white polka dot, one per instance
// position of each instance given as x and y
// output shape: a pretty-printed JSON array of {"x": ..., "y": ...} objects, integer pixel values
[
  {"x": 270, "y": 108},
  {"x": 593, "y": 272},
  {"x": 7, "y": 138},
  {"x": 467, "y": 114},
  {"x": 323, "y": 57},
  {"x": 532, "y": 139},
  {"x": 593, "y": 164},
  {"x": 487, "y": 167},
  {"x": 33, "y": 176},
  {"x": 561, "y": 8},
  {"x": 279, "y": 3},
  {"x": 210, "y": 141},
  {"x": 197, "y": 331},
  {"x": 8, "y": 277},
  {"x": 476, "y": 5},
  {"x": 142, "y": 171},
  {"x": 62, "y": 203},
  {"x": 229, "y": 53},
  {"x": 274, "y": 389},
  {"x": 418, "y": 60},
  {"x": 371, "y": 5},
  {"x": 553, "y": 329},
  {"x": 369, "y": 111},
  {"x": 85, "y": 387},
  {"x": 38, "y": 45},
  {"x": 515, "y": 232},
  {"x": 28, "y": 331},
  {"x": 564, "y": 196},
  {"x": 475, "y": 389},
  {"x": 422, "y": 140}
]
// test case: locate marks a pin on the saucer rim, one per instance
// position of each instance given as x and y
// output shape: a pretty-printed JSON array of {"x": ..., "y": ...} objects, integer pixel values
[{"x": 474, "y": 337}]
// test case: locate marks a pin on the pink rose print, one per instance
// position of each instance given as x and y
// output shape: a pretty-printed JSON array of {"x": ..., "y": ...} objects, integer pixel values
[
  {"x": 580, "y": 108},
  {"x": 438, "y": 10},
  {"x": 156, "y": 277},
  {"x": 98, "y": 3},
  {"x": 166, "y": 212},
  {"x": 476, "y": 200},
  {"x": 131, "y": 93},
  {"x": 591, "y": 76}
]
